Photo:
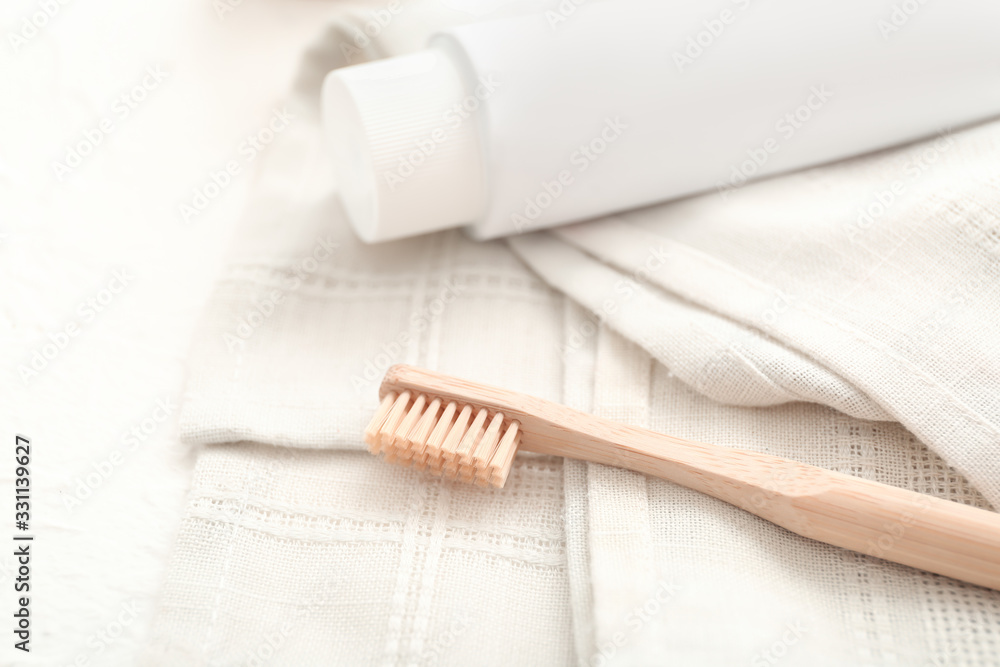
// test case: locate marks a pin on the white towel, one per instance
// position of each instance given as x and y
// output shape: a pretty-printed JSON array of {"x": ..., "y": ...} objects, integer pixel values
[
  {"x": 298, "y": 548},
  {"x": 871, "y": 285}
]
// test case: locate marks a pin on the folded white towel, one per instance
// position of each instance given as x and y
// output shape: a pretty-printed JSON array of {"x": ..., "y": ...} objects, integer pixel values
[
  {"x": 870, "y": 285},
  {"x": 311, "y": 552}
]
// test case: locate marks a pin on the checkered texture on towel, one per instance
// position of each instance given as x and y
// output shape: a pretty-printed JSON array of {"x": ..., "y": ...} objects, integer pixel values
[{"x": 773, "y": 321}]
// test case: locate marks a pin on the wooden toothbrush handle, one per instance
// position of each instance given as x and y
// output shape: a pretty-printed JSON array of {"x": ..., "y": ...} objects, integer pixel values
[
  {"x": 887, "y": 522},
  {"x": 905, "y": 527}
]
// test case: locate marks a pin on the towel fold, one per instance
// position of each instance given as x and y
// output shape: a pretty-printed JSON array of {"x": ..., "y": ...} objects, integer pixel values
[{"x": 778, "y": 320}]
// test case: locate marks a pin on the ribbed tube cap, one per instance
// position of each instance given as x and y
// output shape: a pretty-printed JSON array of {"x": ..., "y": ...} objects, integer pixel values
[{"x": 405, "y": 145}]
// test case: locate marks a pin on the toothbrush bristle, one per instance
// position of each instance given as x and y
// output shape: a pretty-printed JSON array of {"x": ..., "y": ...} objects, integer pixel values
[{"x": 450, "y": 440}]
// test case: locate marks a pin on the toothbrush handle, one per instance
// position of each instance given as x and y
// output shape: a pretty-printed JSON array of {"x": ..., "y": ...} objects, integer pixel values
[
  {"x": 894, "y": 524},
  {"x": 902, "y": 526}
]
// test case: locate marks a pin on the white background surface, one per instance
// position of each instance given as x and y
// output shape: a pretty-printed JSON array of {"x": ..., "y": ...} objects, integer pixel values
[{"x": 61, "y": 242}]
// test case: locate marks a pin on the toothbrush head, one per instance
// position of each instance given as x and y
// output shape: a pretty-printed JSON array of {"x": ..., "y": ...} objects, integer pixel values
[{"x": 449, "y": 438}]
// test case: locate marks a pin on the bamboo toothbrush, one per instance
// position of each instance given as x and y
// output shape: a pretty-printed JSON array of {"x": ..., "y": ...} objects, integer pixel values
[{"x": 469, "y": 431}]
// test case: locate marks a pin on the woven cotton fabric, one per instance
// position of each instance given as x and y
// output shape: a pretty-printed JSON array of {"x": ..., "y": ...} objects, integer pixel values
[
  {"x": 304, "y": 557},
  {"x": 813, "y": 287},
  {"x": 749, "y": 323},
  {"x": 679, "y": 577},
  {"x": 821, "y": 287}
]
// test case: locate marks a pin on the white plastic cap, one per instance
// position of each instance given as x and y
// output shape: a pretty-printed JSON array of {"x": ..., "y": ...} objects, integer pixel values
[{"x": 406, "y": 151}]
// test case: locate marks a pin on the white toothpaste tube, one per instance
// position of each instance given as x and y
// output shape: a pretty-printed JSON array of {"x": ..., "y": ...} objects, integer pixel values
[{"x": 519, "y": 124}]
